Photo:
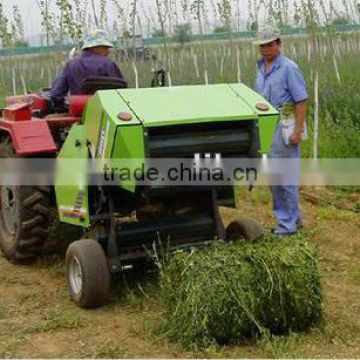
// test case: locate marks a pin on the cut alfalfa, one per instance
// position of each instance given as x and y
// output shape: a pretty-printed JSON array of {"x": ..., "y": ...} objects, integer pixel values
[{"x": 232, "y": 293}]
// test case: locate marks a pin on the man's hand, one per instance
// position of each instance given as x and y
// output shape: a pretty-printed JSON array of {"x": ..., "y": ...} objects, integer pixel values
[{"x": 296, "y": 138}]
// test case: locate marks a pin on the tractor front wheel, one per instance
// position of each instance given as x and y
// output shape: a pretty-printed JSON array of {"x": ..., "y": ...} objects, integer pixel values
[
  {"x": 88, "y": 274},
  {"x": 24, "y": 216},
  {"x": 244, "y": 229}
]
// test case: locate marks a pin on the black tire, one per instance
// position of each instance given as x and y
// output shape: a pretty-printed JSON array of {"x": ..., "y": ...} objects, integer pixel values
[
  {"x": 24, "y": 216},
  {"x": 244, "y": 229},
  {"x": 94, "y": 288}
]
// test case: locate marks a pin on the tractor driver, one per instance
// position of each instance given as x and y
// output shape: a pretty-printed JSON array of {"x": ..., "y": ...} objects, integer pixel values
[{"x": 94, "y": 61}]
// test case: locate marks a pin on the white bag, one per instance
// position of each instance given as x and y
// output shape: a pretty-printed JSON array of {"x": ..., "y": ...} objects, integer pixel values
[{"x": 288, "y": 126}]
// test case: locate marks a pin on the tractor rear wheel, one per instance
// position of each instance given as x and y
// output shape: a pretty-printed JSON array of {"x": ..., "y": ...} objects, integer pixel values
[
  {"x": 244, "y": 229},
  {"x": 88, "y": 274},
  {"x": 24, "y": 216}
]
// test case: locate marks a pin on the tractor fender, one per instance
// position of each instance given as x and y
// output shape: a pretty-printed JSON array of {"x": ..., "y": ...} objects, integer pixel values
[
  {"x": 29, "y": 137},
  {"x": 77, "y": 104}
]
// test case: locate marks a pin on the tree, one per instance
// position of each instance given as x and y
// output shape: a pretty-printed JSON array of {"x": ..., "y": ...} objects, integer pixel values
[
  {"x": 69, "y": 25},
  {"x": 340, "y": 20},
  {"x": 17, "y": 27},
  {"x": 47, "y": 21},
  {"x": 224, "y": 10},
  {"x": 103, "y": 15},
  {"x": 310, "y": 16},
  {"x": 182, "y": 33},
  {"x": 5, "y": 35},
  {"x": 157, "y": 33},
  {"x": 94, "y": 12},
  {"x": 279, "y": 12},
  {"x": 197, "y": 9},
  {"x": 220, "y": 29},
  {"x": 297, "y": 14},
  {"x": 254, "y": 26}
]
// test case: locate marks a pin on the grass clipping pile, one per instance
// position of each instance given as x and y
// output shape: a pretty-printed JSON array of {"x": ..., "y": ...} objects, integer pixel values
[{"x": 229, "y": 294}]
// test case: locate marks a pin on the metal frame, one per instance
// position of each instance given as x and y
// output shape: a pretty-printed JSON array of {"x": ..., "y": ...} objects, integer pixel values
[{"x": 211, "y": 229}]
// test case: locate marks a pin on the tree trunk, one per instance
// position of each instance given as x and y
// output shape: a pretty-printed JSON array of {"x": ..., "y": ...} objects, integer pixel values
[{"x": 94, "y": 11}]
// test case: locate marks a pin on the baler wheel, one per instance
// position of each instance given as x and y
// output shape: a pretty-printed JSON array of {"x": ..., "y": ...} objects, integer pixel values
[
  {"x": 24, "y": 216},
  {"x": 88, "y": 274},
  {"x": 244, "y": 229}
]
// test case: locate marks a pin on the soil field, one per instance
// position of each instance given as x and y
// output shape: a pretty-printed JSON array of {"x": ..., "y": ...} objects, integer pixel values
[{"x": 37, "y": 318}]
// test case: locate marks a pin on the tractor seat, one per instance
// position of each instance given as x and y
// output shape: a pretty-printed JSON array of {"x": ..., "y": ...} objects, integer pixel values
[{"x": 94, "y": 83}]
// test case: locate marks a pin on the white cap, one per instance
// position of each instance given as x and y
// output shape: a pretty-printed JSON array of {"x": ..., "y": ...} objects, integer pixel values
[
  {"x": 267, "y": 34},
  {"x": 97, "y": 37}
]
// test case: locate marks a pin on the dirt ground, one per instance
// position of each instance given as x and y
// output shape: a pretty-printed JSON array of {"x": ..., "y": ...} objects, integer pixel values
[{"x": 37, "y": 319}]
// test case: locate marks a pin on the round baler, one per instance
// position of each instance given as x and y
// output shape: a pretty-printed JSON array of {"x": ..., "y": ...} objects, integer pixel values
[{"x": 177, "y": 123}]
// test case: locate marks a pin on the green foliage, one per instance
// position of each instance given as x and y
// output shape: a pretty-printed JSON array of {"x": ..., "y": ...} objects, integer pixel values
[
  {"x": 5, "y": 34},
  {"x": 157, "y": 33},
  {"x": 17, "y": 26},
  {"x": 279, "y": 10},
  {"x": 182, "y": 33},
  {"x": 103, "y": 14},
  {"x": 340, "y": 20},
  {"x": 221, "y": 30},
  {"x": 254, "y": 26},
  {"x": 232, "y": 293},
  {"x": 67, "y": 22},
  {"x": 309, "y": 13},
  {"x": 20, "y": 44},
  {"x": 47, "y": 19},
  {"x": 198, "y": 10},
  {"x": 12, "y": 33},
  {"x": 225, "y": 11}
]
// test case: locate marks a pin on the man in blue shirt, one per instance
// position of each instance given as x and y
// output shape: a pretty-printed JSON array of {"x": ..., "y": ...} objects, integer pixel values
[
  {"x": 93, "y": 61},
  {"x": 281, "y": 82}
]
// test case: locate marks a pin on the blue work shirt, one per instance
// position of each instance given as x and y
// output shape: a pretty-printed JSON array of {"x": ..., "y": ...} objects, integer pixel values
[
  {"x": 284, "y": 83},
  {"x": 89, "y": 63}
]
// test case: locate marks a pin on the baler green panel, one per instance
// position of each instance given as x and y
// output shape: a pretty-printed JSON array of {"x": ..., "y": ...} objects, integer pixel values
[
  {"x": 101, "y": 120},
  {"x": 267, "y": 119},
  {"x": 107, "y": 137},
  {"x": 129, "y": 144},
  {"x": 187, "y": 104},
  {"x": 252, "y": 98},
  {"x": 267, "y": 126},
  {"x": 92, "y": 120},
  {"x": 71, "y": 183}
]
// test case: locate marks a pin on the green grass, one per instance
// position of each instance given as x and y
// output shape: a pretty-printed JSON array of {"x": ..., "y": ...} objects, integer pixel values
[
  {"x": 331, "y": 212},
  {"x": 280, "y": 347},
  {"x": 354, "y": 273},
  {"x": 58, "y": 318}
]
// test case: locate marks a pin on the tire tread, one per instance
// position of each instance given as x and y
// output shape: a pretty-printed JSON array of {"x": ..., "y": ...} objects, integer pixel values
[{"x": 34, "y": 211}]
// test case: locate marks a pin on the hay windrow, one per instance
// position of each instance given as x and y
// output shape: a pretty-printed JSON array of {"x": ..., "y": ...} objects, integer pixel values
[{"x": 233, "y": 293}]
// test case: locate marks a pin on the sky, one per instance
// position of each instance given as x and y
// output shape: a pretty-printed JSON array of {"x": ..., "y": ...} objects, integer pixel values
[{"x": 29, "y": 12}]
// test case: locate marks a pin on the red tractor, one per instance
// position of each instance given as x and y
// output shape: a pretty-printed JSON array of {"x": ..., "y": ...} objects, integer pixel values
[
  {"x": 23, "y": 135},
  {"x": 32, "y": 126}
]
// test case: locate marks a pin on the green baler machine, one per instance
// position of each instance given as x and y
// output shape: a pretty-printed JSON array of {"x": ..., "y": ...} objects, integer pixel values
[{"x": 172, "y": 122}]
